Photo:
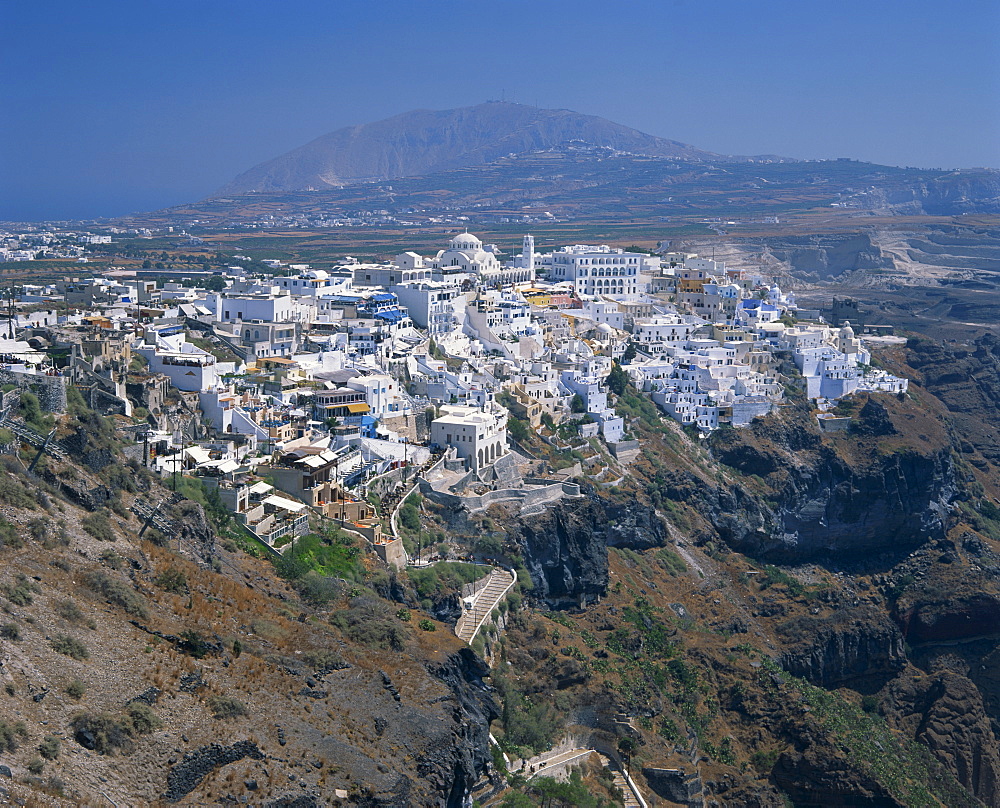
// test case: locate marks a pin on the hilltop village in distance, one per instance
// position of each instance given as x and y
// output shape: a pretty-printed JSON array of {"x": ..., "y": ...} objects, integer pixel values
[{"x": 288, "y": 390}]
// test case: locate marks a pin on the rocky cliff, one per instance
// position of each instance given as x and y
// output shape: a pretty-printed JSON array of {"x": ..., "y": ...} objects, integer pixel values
[
  {"x": 566, "y": 549},
  {"x": 878, "y": 489},
  {"x": 866, "y": 674},
  {"x": 859, "y": 647}
]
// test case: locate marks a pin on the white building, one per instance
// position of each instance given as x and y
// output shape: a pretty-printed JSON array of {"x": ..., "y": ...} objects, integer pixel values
[
  {"x": 466, "y": 254},
  {"x": 382, "y": 394},
  {"x": 478, "y": 434},
  {"x": 265, "y": 308},
  {"x": 430, "y": 304},
  {"x": 599, "y": 270},
  {"x": 313, "y": 283},
  {"x": 188, "y": 367}
]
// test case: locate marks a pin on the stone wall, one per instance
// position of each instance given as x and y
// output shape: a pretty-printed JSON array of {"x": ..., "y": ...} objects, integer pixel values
[
  {"x": 528, "y": 497},
  {"x": 392, "y": 553},
  {"x": 619, "y": 448},
  {"x": 51, "y": 390}
]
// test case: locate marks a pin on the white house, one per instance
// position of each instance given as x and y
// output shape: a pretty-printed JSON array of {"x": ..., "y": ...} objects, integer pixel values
[{"x": 479, "y": 435}]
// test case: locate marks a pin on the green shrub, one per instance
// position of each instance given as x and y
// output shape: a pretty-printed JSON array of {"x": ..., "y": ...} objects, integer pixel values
[
  {"x": 21, "y": 592},
  {"x": 13, "y": 492},
  {"x": 49, "y": 747},
  {"x": 172, "y": 580},
  {"x": 527, "y": 722},
  {"x": 519, "y": 430},
  {"x": 117, "y": 592},
  {"x": 773, "y": 575},
  {"x": 331, "y": 555},
  {"x": 111, "y": 559},
  {"x": 11, "y": 734},
  {"x": 409, "y": 516},
  {"x": 36, "y": 765},
  {"x": 9, "y": 535},
  {"x": 370, "y": 621},
  {"x": 193, "y": 644},
  {"x": 443, "y": 578},
  {"x": 318, "y": 590},
  {"x": 76, "y": 689},
  {"x": 70, "y": 646},
  {"x": 31, "y": 410},
  {"x": 39, "y": 529},
  {"x": 98, "y": 526},
  {"x": 142, "y": 719},
  {"x": 110, "y": 733},
  {"x": 69, "y": 611},
  {"x": 426, "y": 625},
  {"x": 10, "y": 631},
  {"x": 671, "y": 561},
  {"x": 763, "y": 761},
  {"x": 226, "y": 707}
]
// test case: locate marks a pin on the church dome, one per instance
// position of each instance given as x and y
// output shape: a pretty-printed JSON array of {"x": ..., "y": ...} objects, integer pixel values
[{"x": 466, "y": 241}]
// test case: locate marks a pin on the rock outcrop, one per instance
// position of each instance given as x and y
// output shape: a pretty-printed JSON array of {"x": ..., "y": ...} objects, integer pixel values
[
  {"x": 454, "y": 767},
  {"x": 845, "y": 499},
  {"x": 185, "y": 777},
  {"x": 966, "y": 379},
  {"x": 857, "y": 648},
  {"x": 945, "y": 712},
  {"x": 565, "y": 549},
  {"x": 813, "y": 777},
  {"x": 956, "y": 616}
]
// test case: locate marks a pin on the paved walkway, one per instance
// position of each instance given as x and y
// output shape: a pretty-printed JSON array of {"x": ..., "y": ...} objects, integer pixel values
[
  {"x": 632, "y": 799},
  {"x": 486, "y": 600}
]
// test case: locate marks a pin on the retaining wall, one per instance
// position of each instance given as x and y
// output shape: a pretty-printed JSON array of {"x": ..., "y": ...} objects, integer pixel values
[
  {"x": 527, "y": 497},
  {"x": 51, "y": 390}
]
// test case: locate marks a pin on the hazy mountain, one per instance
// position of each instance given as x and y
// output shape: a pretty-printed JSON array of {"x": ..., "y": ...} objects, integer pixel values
[{"x": 426, "y": 141}]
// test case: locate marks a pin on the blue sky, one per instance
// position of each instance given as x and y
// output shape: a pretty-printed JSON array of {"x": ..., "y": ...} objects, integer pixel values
[{"x": 111, "y": 107}]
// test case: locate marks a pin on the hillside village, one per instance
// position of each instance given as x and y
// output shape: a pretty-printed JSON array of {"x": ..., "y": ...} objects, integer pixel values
[{"x": 307, "y": 391}]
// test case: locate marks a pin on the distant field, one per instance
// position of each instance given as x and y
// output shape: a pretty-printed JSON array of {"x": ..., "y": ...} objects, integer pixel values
[{"x": 47, "y": 270}]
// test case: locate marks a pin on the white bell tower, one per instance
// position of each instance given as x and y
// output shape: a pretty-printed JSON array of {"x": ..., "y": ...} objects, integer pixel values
[{"x": 528, "y": 253}]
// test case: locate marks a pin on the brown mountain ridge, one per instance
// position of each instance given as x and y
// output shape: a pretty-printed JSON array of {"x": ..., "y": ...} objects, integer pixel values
[{"x": 424, "y": 141}]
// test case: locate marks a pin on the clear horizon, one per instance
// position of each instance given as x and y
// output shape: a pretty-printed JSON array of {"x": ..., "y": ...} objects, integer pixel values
[{"x": 113, "y": 108}]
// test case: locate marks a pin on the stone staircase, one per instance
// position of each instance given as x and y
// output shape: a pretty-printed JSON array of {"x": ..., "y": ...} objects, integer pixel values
[
  {"x": 487, "y": 600},
  {"x": 630, "y": 798}
]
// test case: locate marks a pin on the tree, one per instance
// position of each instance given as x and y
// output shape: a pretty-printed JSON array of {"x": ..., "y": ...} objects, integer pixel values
[
  {"x": 576, "y": 403},
  {"x": 629, "y": 354},
  {"x": 626, "y": 747},
  {"x": 215, "y": 284},
  {"x": 617, "y": 379}
]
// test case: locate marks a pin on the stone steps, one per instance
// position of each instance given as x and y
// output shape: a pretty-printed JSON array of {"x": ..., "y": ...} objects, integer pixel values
[
  {"x": 487, "y": 600},
  {"x": 622, "y": 783}
]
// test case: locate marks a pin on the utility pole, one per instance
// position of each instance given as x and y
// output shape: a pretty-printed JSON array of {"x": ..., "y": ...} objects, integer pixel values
[{"x": 10, "y": 312}]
